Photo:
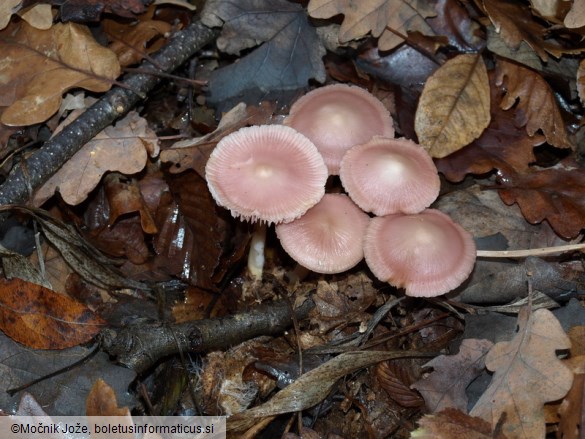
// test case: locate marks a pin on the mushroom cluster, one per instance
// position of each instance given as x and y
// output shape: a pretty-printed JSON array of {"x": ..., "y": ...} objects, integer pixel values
[{"x": 277, "y": 174}]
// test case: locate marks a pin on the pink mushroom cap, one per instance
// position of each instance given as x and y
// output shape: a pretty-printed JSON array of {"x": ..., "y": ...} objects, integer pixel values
[
  {"x": 427, "y": 254},
  {"x": 337, "y": 117},
  {"x": 386, "y": 176},
  {"x": 268, "y": 173},
  {"x": 329, "y": 237}
]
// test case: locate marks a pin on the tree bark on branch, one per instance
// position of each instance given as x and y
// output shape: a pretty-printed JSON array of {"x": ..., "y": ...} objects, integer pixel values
[
  {"x": 43, "y": 163},
  {"x": 141, "y": 346}
]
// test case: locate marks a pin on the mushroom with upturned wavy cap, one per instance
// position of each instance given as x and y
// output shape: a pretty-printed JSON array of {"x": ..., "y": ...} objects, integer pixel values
[
  {"x": 267, "y": 173},
  {"x": 387, "y": 176},
  {"x": 427, "y": 254}
]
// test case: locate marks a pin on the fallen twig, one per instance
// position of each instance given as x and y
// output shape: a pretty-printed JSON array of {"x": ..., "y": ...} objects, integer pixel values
[
  {"x": 141, "y": 346},
  {"x": 42, "y": 164}
]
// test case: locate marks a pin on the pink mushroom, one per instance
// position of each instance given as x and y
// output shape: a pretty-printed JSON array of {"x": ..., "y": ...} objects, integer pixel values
[
  {"x": 386, "y": 176},
  {"x": 337, "y": 117},
  {"x": 328, "y": 238},
  {"x": 427, "y": 254},
  {"x": 269, "y": 173}
]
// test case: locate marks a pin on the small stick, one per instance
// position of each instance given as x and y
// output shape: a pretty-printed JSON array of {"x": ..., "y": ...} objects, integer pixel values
[{"x": 530, "y": 252}]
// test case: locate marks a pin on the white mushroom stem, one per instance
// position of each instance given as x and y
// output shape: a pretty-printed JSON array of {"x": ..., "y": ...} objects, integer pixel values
[
  {"x": 530, "y": 252},
  {"x": 256, "y": 253}
]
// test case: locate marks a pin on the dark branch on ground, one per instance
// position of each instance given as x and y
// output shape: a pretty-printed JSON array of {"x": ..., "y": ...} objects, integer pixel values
[
  {"x": 141, "y": 346},
  {"x": 41, "y": 165}
]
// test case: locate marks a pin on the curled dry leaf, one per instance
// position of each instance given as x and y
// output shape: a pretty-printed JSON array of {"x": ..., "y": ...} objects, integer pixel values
[
  {"x": 132, "y": 41},
  {"x": 445, "y": 386},
  {"x": 395, "y": 380},
  {"x": 451, "y": 423},
  {"x": 387, "y": 19},
  {"x": 43, "y": 319},
  {"x": 501, "y": 146},
  {"x": 312, "y": 387},
  {"x": 536, "y": 108},
  {"x": 552, "y": 194},
  {"x": 454, "y": 108},
  {"x": 527, "y": 373},
  {"x": 41, "y": 65},
  {"x": 7, "y": 8},
  {"x": 123, "y": 147},
  {"x": 576, "y": 16},
  {"x": 102, "y": 401}
]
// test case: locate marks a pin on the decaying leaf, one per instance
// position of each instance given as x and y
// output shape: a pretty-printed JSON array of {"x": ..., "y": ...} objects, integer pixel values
[
  {"x": 515, "y": 23},
  {"x": 102, "y": 401},
  {"x": 387, "y": 19},
  {"x": 445, "y": 386},
  {"x": 527, "y": 373},
  {"x": 39, "y": 16},
  {"x": 7, "y": 8},
  {"x": 502, "y": 146},
  {"x": 42, "y": 319},
  {"x": 576, "y": 16},
  {"x": 451, "y": 423},
  {"x": 288, "y": 57},
  {"x": 454, "y": 108},
  {"x": 312, "y": 387},
  {"x": 395, "y": 380},
  {"x": 65, "y": 393},
  {"x": 123, "y": 147},
  {"x": 552, "y": 194},
  {"x": 536, "y": 108},
  {"x": 39, "y": 66},
  {"x": 131, "y": 42}
]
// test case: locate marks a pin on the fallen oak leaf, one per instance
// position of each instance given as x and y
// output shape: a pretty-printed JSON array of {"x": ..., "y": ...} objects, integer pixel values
[
  {"x": 451, "y": 423},
  {"x": 527, "y": 373},
  {"x": 454, "y": 108},
  {"x": 383, "y": 18},
  {"x": 501, "y": 146},
  {"x": 552, "y": 194},
  {"x": 445, "y": 386},
  {"x": 43, "y": 319},
  {"x": 534, "y": 101},
  {"x": 123, "y": 147},
  {"x": 39, "y": 66}
]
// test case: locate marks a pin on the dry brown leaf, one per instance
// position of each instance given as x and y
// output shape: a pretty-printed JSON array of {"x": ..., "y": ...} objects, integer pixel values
[
  {"x": 43, "y": 319},
  {"x": 380, "y": 17},
  {"x": 123, "y": 147},
  {"x": 39, "y": 16},
  {"x": 536, "y": 108},
  {"x": 527, "y": 373},
  {"x": 102, "y": 401},
  {"x": 39, "y": 66},
  {"x": 312, "y": 387},
  {"x": 131, "y": 41},
  {"x": 515, "y": 23},
  {"x": 445, "y": 386},
  {"x": 7, "y": 8},
  {"x": 454, "y": 108},
  {"x": 576, "y": 16},
  {"x": 395, "y": 379},
  {"x": 451, "y": 423},
  {"x": 501, "y": 146}
]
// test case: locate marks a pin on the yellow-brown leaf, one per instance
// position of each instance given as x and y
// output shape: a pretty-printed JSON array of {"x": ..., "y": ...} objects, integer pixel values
[
  {"x": 43, "y": 319},
  {"x": 454, "y": 108}
]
